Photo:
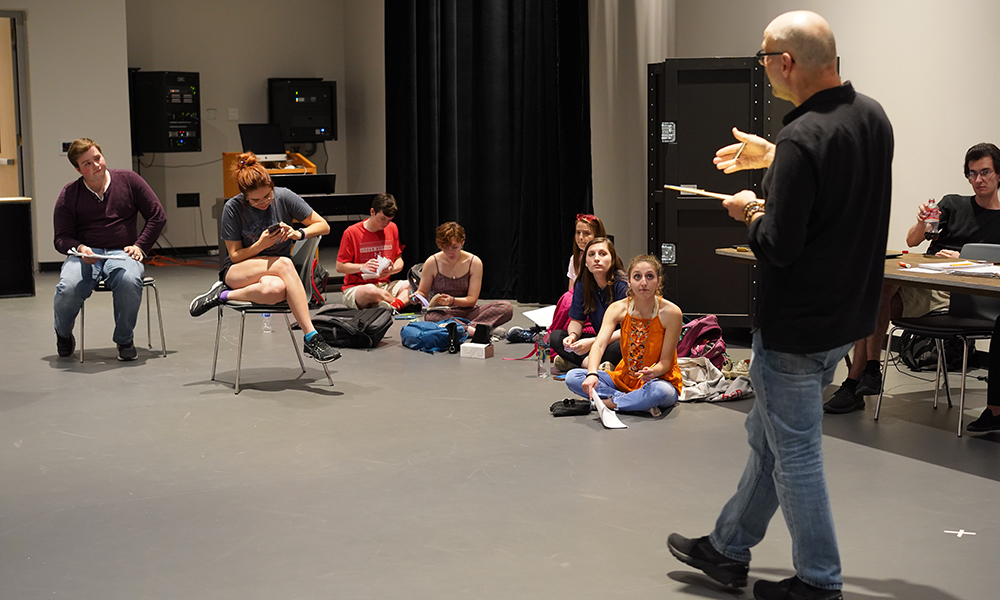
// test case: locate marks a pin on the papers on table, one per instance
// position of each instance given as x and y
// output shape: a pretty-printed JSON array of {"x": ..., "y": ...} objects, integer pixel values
[
  {"x": 383, "y": 264},
  {"x": 609, "y": 418},
  {"x": 74, "y": 252},
  {"x": 965, "y": 268}
]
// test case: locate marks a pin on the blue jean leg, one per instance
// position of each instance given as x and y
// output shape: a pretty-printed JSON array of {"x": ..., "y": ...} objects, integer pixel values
[
  {"x": 654, "y": 393},
  {"x": 784, "y": 431},
  {"x": 76, "y": 283}
]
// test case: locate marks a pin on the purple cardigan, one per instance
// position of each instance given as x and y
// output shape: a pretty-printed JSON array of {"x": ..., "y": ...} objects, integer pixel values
[{"x": 79, "y": 218}]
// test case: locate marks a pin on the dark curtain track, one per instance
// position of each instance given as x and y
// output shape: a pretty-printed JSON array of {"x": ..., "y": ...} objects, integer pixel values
[{"x": 488, "y": 124}]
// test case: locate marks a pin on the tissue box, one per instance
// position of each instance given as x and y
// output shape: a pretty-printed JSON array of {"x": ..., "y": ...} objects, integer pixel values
[{"x": 470, "y": 350}]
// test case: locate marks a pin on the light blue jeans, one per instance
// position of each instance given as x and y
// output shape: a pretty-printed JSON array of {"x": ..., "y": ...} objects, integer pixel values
[
  {"x": 785, "y": 431},
  {"x": 76, "y": 283},
  {"x": 654, "y": 393}
]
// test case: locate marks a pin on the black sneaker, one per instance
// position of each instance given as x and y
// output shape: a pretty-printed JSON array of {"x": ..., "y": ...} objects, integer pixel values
[
  {"x": 792, "y": 589},
  {"x": 985, "y": 422},
  {"x": 65, "y": 345},
  {"x": 126, "y": 352},
  {"x": 201, "y": 304},
  {"x": 520, "y": 335},
  {"x": 700, "y": 554},
  {"x": 319, "y": 350},
  {"x": 868, "y": 384},
  {"x": 844, "y": 401}
]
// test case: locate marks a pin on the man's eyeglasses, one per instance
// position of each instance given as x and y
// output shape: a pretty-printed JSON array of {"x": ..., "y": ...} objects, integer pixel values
[
  {"x": 761, "y": 54},
  {"x": 974, "y": 175},
  {"x": 585, "y": 217}
]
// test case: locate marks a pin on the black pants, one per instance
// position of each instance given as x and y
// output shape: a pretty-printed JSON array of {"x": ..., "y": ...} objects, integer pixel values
[{"x": 612, "y": 354}]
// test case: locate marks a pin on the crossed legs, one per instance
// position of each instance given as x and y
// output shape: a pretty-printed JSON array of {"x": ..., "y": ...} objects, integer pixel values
[{"x": 269, "y": 280}]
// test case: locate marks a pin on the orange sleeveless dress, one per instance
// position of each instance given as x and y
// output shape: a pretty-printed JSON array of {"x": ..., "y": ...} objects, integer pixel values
[{"x": 641, "y": 342}]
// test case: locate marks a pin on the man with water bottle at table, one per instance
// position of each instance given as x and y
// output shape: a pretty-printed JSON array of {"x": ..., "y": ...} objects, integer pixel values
[{"x": 948, "y": 224}]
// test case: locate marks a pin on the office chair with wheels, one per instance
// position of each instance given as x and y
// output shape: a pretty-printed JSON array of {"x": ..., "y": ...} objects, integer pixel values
[
  {"x": 147, "y": 284},
  {"x": 969, "y": 318},
  {"x": 302, "y": 257}
]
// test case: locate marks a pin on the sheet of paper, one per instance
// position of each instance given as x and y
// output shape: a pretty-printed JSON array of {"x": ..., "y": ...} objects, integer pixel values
[
  {"x": 542, "y": 316},
  {"x": 73, "y": 252},
  {"x": 383, "y": 264},
  {"x": 919, "y": 270},
  {"x": 609, "y": 418}
]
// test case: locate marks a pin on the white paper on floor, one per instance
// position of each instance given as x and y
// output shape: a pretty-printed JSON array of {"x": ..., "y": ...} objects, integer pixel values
[{"x": 609, "y": 418}]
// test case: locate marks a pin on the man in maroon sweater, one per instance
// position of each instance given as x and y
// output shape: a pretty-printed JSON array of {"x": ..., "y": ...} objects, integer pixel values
[{"x": 96, "y": 215}]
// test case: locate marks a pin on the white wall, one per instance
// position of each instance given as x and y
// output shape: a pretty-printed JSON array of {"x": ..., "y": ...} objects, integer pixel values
[
  {"x": 930, "y": 64},
  {"x": 78, "y": 87},
  {"x": 235, "y": 47},
  {"x": 364, "y": 95},
  {"x": 625, "y": 36}
]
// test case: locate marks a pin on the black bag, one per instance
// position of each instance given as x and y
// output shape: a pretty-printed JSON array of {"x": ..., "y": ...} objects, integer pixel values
[
  {"x": 344, "y": 327},
  {"x": 919, "y": 353},
  {"x": 320, "y": 277}
]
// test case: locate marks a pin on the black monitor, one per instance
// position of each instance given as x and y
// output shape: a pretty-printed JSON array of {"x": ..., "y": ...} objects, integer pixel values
[{"x": 264, "y": 140}]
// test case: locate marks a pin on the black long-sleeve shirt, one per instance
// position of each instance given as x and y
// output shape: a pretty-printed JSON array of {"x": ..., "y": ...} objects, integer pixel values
[{"x": 820, "y": 245}]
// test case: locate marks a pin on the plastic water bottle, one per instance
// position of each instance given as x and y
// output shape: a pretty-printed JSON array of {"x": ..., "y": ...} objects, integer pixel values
[
  {"x": 267, "y": 323},
  {"x": 542, "y": 355},
  {"x": 932, "y": 222}
]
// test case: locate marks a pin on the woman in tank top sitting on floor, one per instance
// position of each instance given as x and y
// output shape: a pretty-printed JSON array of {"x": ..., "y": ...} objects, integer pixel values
[{"x": 452, "y": 278}]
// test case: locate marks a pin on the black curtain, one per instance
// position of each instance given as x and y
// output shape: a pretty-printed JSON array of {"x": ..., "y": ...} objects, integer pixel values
[{"x": 488, "y": 124}]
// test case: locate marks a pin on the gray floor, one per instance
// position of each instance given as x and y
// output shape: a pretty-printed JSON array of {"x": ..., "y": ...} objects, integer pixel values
[{"x": 420, "y": 476}]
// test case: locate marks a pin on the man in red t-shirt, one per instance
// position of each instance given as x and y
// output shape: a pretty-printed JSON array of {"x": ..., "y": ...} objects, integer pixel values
[{"x": 369, "y": 254}]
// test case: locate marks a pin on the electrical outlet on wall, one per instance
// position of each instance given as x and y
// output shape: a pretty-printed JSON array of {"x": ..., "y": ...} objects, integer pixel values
[{"x": 188, "y": 200}]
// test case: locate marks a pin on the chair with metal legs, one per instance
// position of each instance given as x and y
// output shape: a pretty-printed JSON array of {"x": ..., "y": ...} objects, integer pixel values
[
  {"x": 302, "y": 257},
  {"x": 148, "y": 283},
  {"x": 969, "y": 318}
]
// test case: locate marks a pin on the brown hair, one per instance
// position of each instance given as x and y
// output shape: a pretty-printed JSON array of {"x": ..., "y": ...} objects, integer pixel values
[
  {"x": 448, "y": 234},
  {"x": 385, "y": 204},
  {"x": 80, "y": 146},
  {"x": 597, "y": 227},
  {"x": 250, "y": 174},
  {"x": 653, "y": 262},
  {"x": 586, "y": 278}
]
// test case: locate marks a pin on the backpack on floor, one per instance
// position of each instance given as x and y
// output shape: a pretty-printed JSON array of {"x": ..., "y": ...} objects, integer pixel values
[
  {"x": 430, "y": 336},
  {"x": 920, "y": 353},
  {"x": 320, "y": 277},
  {"x": 344, "y": 327},
  {"x": 703, "y": 337}
]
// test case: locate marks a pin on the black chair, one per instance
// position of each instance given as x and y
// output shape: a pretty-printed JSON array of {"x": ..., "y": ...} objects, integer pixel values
[
  {"x": 302, "y": 257},
  {"x": 968, "y": 318},
  {"x": 147, "y": 284}
]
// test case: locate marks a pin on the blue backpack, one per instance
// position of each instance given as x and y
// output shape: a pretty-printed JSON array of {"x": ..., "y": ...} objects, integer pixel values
[{"x": 429, "y": 336}]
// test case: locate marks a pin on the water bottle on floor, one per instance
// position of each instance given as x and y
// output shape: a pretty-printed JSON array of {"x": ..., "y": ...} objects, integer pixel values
[
  {"x": 267, "y": 323},
  {"x": 542, "y": 355}
]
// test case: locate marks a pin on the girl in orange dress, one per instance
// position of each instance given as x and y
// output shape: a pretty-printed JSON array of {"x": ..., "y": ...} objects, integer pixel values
[{"x": 647, "y": 378}]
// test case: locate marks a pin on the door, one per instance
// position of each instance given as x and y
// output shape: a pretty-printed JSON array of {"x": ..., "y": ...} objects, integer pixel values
[{"x": 10, "y": 180}]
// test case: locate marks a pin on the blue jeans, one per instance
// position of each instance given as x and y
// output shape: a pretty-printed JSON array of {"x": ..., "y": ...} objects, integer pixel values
[
  {"x": 654, "y": 393},
  {"x": 785, "y": 430},
  {"x": 77, "y": 280}
]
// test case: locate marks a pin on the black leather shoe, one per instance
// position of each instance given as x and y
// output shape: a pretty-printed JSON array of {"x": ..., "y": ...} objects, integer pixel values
[
  {"x": 985, "y": 422},
  {"x": 792, "y": 589},
  {"x": 700, "y": 554},
  {"x": 65, "y": 345}
]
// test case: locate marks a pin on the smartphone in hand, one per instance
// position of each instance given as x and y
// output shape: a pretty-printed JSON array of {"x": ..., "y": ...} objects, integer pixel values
[{"x": 274, "y": 228}]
